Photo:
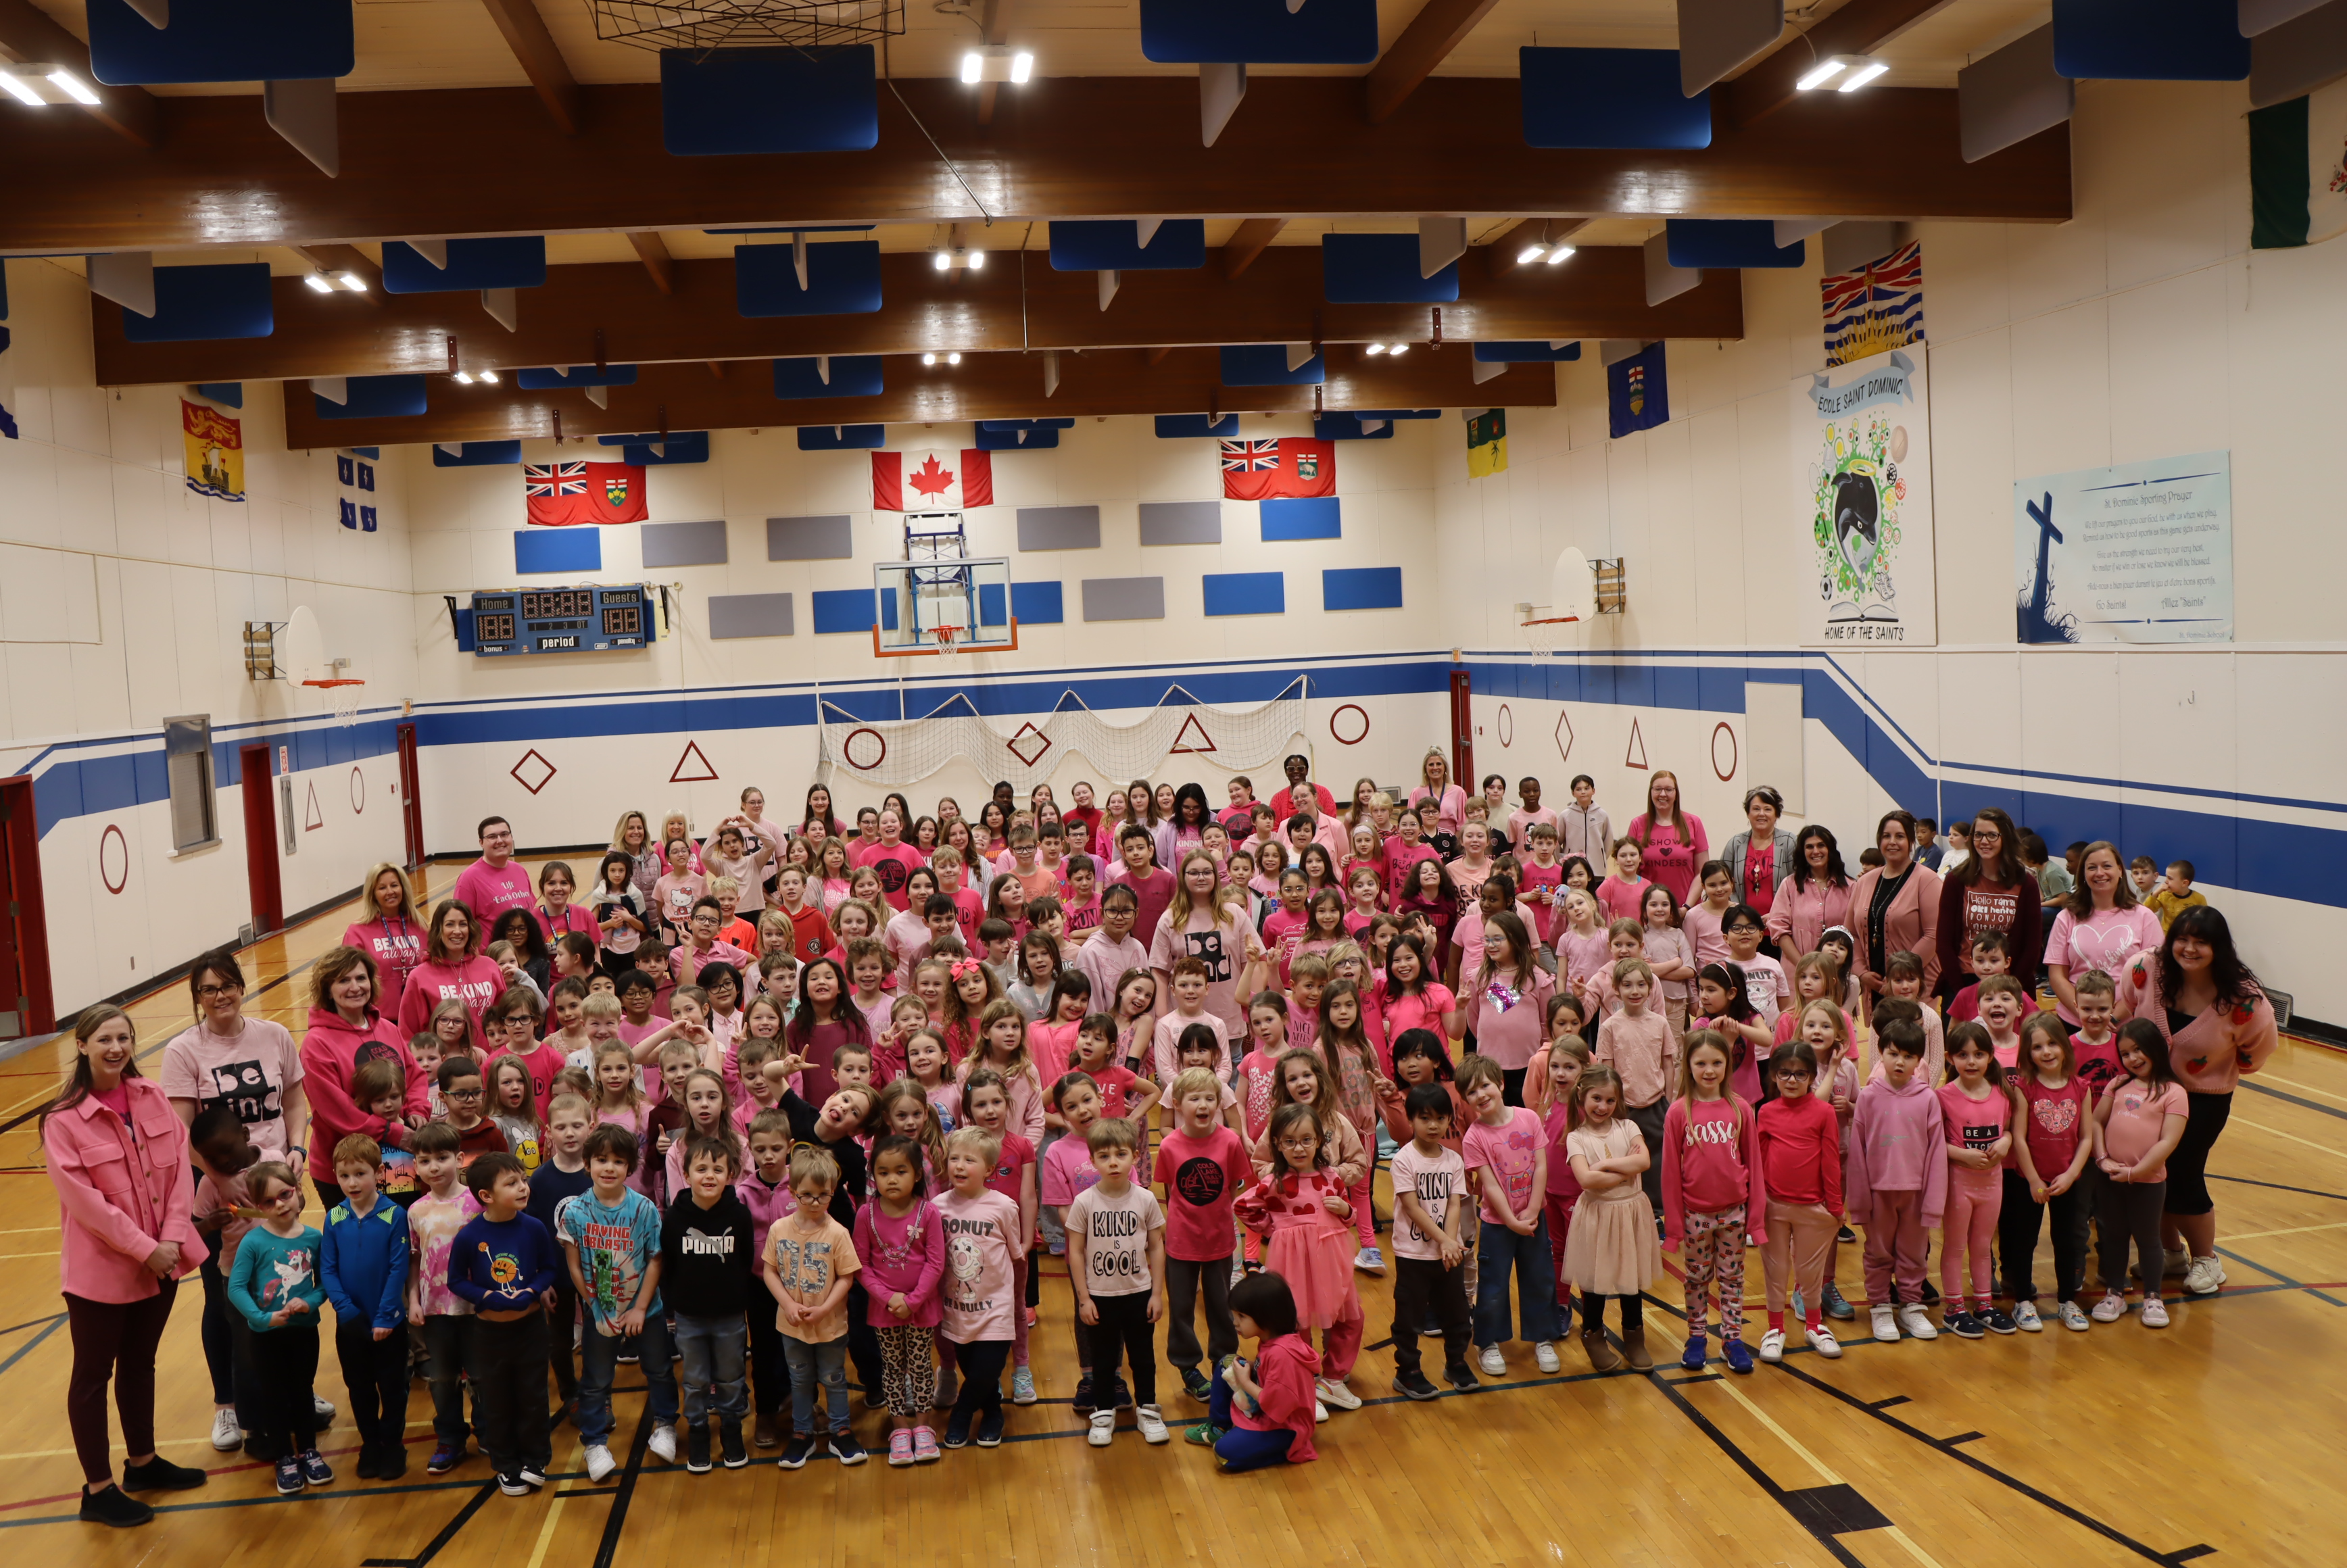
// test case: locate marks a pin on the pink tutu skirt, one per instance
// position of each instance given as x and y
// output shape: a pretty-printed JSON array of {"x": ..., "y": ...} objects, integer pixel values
[{"x": 1316, "y": 1261}]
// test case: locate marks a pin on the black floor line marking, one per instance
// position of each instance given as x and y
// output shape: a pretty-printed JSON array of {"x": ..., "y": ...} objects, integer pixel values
[
  {"x": 29, "y": 1346},
  {"x": 1958, "y": 1438},
  {"x": 2191, "y": 1553},
  {"x": 2287, "y": 1281},
  {"x": 1886, "y": 1404},
  {"x": 308, "y": 1495},
  {"x": 1809, "y": 1518},
  {"x": 32, "y": 1323},
  {"x": 2280, "y": 1187},
  {"x": 608, "y": 1550},
  {"x": 1699, "y": 1378},
  {"x": 447, "y": 1533},
  {"x": 2295, "y": 1100}
]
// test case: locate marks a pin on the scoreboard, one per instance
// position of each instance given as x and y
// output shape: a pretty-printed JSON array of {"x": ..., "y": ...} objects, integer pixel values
[{"x": 585, "y": 620}]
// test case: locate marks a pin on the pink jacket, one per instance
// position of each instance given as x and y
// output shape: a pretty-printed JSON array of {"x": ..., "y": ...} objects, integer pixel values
[
  {"x": 330, "y": 1052},
  {"x": 1911, "y": 924},
  {"x": 1898, "y": 1141},
  {"x": 1805, "y": 910},
  {"x": 2212, "y": 1051},
  {"x": 120, "y": 1197}
]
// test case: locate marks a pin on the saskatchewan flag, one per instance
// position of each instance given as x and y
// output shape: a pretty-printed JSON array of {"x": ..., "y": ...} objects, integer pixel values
[
  {"x": 2298, "y": 169},
  {"x": 1486, "y": 442}
]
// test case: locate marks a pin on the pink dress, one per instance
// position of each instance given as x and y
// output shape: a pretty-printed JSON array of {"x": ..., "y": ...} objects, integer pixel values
[{"x": 1311, "y": 1247}]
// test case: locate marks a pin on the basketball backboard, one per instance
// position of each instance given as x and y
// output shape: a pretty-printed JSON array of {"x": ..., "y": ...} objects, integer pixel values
[{"x": 956, "y": 603}]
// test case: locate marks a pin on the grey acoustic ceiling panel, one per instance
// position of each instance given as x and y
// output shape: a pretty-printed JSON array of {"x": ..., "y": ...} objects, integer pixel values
[
  {"x": 810, "y": 538},
  {"x": 2011, "y": 96},
  {"x": 1059, "y": 528},
  {"x": 1124, "y": 599},
  {"x": 749, "y": 615},
  {"x": 1716, "y": 36},
  {"x": 684, "y": 544},
  {"x": 2299, "y": 56},
  {"x": 1181, "y": 522}
]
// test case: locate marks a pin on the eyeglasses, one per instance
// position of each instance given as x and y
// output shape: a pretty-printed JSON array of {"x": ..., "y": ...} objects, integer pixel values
[
  {"x": 208, "y": 992},
  {"x": 464, "y": 1093}
]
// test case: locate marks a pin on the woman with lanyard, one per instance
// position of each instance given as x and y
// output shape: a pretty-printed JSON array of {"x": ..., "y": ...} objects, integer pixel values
[
  {"x": 2101, "y": 929},
  {"x": 633, "y": 839},
  {"x": 1760, "y": 857},
  {"x": 2214, "y": 1015},
  {"x": 1671, "y": 837},
  {"x": 753, "y": 815},
  {"x": 1894, "y": 907},
  {"x": 1813, "y": 899},
  {"x": 1992, "y": 891},
  {"x": 393, "y": 939},
  {"x": 251, "y": 1066},
  {"x": 118, "y": 1160},
  {"x": 1449, "y": 800}
]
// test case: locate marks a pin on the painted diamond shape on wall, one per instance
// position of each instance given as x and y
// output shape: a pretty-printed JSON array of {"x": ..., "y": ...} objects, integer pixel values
[
  {"x": 1029, "y": 739},
  {"x": 1563, "y": 736},
  {"x": 523, "y": 773}
]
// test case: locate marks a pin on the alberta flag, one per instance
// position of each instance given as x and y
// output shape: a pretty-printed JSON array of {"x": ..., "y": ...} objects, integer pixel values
[
  {"x": 932, "y": 481},
  {"x": 2298, "y": 169}
]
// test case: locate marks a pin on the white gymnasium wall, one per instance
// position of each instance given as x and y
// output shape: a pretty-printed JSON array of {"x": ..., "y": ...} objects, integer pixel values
[
  {"x": 2143, "y": 328},
  {"x": 123, "y": 596}
]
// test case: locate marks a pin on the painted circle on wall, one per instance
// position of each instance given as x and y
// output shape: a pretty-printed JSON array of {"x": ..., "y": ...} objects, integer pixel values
[
  {"x": 1506, "y": 725},
  {"x": 878, "y": 748},
  {"x": 358, "y": 790},
  {"x": 1719, "y": 732},
  {"x": 1359, "y": 735},
  {"x": 113, "y": 859}
]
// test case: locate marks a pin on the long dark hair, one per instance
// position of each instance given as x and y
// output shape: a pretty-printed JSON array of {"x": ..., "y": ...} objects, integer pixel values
[
  {"x": 1426, "y": 976},
  {"x": 830, "y": 819},
  {"x": 2009, "y": 870},
  {"x": 1905, "y": 819},
  {"x": 1835, "y": 875},
  {"x": 81, "y": 1087},
  {"x": 530, "y": 948},
  {"x": 1265, "y": 1299},
  {"x": 1192, "y": 792},
  {"x": 844, "y": 1011},
  {"x": 1730, "y": 979},
  {"x": 2236, "y": 983},
  {"x": 1519, "y": 944}
]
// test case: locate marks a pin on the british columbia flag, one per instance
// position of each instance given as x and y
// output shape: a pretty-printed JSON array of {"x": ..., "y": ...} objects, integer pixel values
[
  {"x": 554, "y": 479},
  {"x": 1875, "y": 308}
]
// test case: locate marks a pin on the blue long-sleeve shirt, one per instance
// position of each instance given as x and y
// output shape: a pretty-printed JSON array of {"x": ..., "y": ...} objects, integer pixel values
[
  {"x": 273, "y": 1270},
  {"x": 502, "y": 1266},
  {"x": 364, "y": 1263}
]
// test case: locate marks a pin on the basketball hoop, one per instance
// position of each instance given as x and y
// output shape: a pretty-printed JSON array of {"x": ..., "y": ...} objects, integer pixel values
[
  {"x": 944, "y": 636},
  {"x": 344, "y": 691},
  {"x": 1540, "y": 634}
]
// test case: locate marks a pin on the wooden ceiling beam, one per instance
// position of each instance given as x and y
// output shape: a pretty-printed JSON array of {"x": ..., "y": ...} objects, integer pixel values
[
  {"x": 983, "y": 387},
  {"x": 1247, "y": 242},
  {"x": 1439, "y": 27},
  {"x": 1063, "y": 146},
  {"x": 28, "y": 34},
  {"x": 1859, "y": 27},
  {"x": 1601, "y": 293},
  {"x": 541, "y": 60},
  {"x": 652, "y": 251}
]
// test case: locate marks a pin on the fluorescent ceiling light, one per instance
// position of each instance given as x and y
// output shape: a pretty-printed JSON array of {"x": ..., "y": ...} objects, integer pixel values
[
  {"x": 1022, "y": 65},
  {"x": 1818, "y": 75},
  {"x": 1376, "y": 348},
  {"x": 318, "y": 284},
  {"x": 490, "y": 376},
  {"x": 929, "y": 359},
  {"x": 1398, "y": 349},
  {"x": 352, "y": 281},
  {"x": 973, "y": 67},
  {"x": 21, "y": 91},
  {"x": 1861, "y": 73},
  {"x": 975, "y": 260},
  {"x": 1560, "y": 254},
  {"x": 953, "y": 359},
  {"x": 940, "y": 261},
  {"x": 464, "y": 378},
  {"x": 1531, "y": 253},
  {"x": 73, "y": 87}
]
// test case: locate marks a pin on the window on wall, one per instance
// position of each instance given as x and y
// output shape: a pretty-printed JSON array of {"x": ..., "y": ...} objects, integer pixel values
[{"x": 188, "y": 767}]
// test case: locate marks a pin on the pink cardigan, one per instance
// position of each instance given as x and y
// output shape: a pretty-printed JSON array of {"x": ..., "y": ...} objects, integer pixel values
[
  {"x": 1805, "y": 910},
  {"x": 2212, "y": 1051},
  {"x": 120, "y": 1197},
  {"x": 1911, "y": 924}
]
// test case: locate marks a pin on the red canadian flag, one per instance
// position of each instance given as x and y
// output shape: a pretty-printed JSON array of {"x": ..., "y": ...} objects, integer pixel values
[{"x": 932, "y": 481}]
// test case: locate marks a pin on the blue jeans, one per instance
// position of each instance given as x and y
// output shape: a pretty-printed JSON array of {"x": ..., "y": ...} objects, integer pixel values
[
  {"x": 715, "y": 1352},
  {"x": 1239, "y": 1448},
  {"x": 812, "y": 1363},
  {"x": 599, "y": 1360},
  {"x": 1535, "y": 1273}
]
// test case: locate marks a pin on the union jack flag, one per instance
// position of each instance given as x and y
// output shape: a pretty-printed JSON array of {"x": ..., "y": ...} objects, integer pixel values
[
  {"x": 554, "y": 479},
  {"x": 1239, "y": 456},
  {"x": 1878, "y": 307}
]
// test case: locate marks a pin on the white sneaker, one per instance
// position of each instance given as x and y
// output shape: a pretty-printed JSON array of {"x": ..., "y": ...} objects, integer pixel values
[
  {"x": 663, "y": 1443},
  {"x": 1494, "y": 1365},
  {"x": 1886, "y": 1323},
  {"x": 1544, "y": 1357},
  {"x": 1319, "y": 1412},
  {"x": 2175, "y": 1260},
  {"x": 1238, "y": 1272},
  {"x": 1917, "y": 1322},
  {"x": 1369, "y": 1260},
  {"x": 1152, "y": 1424},
  {"x": 1772, "y": 1345},
  {"x": 1103, "y": 1429},
  {"x": 2206, "y": 1276},
  {"x": 227, "y": 1436},
  {"x": 2025, "y": 1317},
  {"x": 2074, "y": 1318},
  {"x": 1332, "y": 1391},
  {"x": 599, "y": 1462},
  {"x": 2154, "y": 1314},
  {"x": 324, "y": 1410},
  {"x": 1822, "y": 1341},
  {"x": 2110, "y": 1308}
]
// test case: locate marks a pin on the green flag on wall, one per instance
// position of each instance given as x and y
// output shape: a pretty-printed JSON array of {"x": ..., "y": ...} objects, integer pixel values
[
  {"x": 2298, "y": 169},
  {"x": 1486, "y": 442}
]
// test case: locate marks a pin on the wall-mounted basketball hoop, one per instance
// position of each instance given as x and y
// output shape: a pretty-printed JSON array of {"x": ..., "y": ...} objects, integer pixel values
[{"x": 345, "y": 690}]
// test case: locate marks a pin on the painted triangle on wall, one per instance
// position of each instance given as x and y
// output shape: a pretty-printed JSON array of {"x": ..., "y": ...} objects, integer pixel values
[
  {"x": 693, "y": 755},
  {"x": 1636, "y": 756},
  {"x": 1181, "y": 740},
  {"x": 313, "y": 819}
]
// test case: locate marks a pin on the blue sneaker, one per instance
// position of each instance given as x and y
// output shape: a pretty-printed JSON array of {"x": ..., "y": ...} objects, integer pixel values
[
  {"x": 1691, "y": 1360},
  {"x": 315, "y": 1472},
  {"x": 1838, "y": 1310},
  {"x": 1739, "y": 1355}
]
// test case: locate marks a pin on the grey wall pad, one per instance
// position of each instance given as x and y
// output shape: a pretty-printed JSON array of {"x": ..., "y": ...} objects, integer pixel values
[
  {"x": 810, "y": 538},
  {"x": 1059, "y": 527},
  {"x": 1181, "y": 522},
  {"x": 749, "y": 615},
  {"x": 1124, "y": 599},
  {"x": 684, "y": 544}
]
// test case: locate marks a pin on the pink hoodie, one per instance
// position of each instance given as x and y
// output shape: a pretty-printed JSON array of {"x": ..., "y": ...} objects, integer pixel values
[
  {"x": 1898, "y": 1143},
  {"x": 332, "y": 1050},
  {"x": 1284, "y": 1370},
  {"x": 476, "y": 983},
  {"x": 119, "y": 1196},
  {"x": 396, "y": 946}
]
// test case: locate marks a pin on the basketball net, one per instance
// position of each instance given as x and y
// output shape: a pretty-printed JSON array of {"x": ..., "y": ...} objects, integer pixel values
[
  {"x": 344, "y": 695},
  {"x": 1542, "y": 635}
]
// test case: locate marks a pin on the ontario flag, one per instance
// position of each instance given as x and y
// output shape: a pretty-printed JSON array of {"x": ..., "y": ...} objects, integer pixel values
[
  {"x": 1266, "y": 470},
  {"x": 932, "y": 481},
  {"x": 565, "y": 495}
]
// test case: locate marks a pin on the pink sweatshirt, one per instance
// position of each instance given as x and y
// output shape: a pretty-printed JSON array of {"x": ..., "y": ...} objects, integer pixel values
[
  {"x": 332, "y": 1050},
  {"x": 476, "y": 983},
  {"x": 396, "y": 946},
  {"x": 1711, "y": 1162},
  {"x": 1898, "y": 1143}
]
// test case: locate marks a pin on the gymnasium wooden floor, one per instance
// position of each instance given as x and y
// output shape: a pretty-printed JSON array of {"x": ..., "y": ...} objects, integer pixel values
[{"x": 2219, "y": 1439}]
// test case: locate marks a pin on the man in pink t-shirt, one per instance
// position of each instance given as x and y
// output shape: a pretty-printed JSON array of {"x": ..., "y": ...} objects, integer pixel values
[{"x": 493, "y": 884}]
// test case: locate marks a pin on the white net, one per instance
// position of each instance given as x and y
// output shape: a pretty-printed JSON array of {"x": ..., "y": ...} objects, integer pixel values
[{"x": 1033, "y": 748}]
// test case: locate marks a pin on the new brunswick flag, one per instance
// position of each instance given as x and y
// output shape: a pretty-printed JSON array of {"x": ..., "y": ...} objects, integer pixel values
[
  {"x": 1486, "y": 442},
  {"x": 215, "y": 443}
]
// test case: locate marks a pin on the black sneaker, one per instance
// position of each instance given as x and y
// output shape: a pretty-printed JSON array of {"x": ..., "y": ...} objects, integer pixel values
[
  {"x": 316, "y": 1470},
  {"x": 1413, "y": 1384},
  {"x": 1196, "y": 1385},
  {"x": 1999, "y": 1321},
  {"x": 957, "y": 1432},
  {"x": 1845, "y": 1233},
  {"x": 696, "y": 1450},
  {"x": 1963, "y": 1324},
  {"x": 160, "y": 1474},
  {"x": 1461, "y": 1377},
  {"x": 532, "y": 1476},
  {"x": 288, "y": 1476},
  {"x": 115, "y": 1507},
  {"x": 729, "y": 1445},
  {"x": 845, "y": 1449},
  {"x": 512, "y": 1485},
  {"x": 1931, "y": 1294},
  {"x": 989, "y": 1429},
  {"x": 1082, "y": 1407},
  {"x": 795, "y": 1453}
]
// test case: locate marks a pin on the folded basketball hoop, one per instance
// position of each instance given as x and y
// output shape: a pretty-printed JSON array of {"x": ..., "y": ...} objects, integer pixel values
[
  {"x": 1572, "y": 597},
  {"x": 345, "y": 691}
]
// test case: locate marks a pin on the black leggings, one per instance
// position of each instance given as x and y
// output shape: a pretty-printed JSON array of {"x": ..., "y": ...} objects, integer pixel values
[
  {"x": 981, "y": 1363},
  {"x": 2188, "y": 1168},
  {"x": 1123, "y": 1328},
  {"x": 1593, "y": 1312},
  {"x": 113, "y": 1340}
]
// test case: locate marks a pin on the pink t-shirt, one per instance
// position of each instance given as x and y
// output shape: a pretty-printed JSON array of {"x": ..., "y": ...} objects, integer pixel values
[
  {"x": 1434, "y": 1180},
  {"x": 1540, "y": 886},
  {"x": 2140, "y": 1113},
  {"x": 1508, "y": 1152},
  {"x": 1220, "y": 947},
  {"x": 1700, "y": 926},
  {"x": 1201, "y": 1177},
  {"x": 249, "y": 1071},
  {"x": 1764, "y": 985},
  {"x": 489, "y": 891},
  {"x": 2104, "y": 942},
  {"x": 1510, "y": 1031},
  {"x": 1067, "y": 1170},
  {"x": 1115, "y": 1232},
  {"x": 1669, "y": 859},
  {"x": 1975, "y": 1124},
  {"x": 893, "y": 867},
  {"x": 1165, "y": 1045},
  {"x": 1579, "y": 958},
  {"x": 1620, "y": 899},
  {"x": 981, "y": 1254}
]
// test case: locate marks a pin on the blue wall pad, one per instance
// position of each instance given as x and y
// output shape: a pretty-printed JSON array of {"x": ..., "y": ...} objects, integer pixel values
[
  {"x": 843, "y": 280},
  {"x": 842, "y": 610},
  {"x": 1093, "y": 245},
  {"x": 2149, "y": 40},
  {"x": 1610, "y": 98},
  {"x": 1124, "y": 597},
  {"x": 1728, "y": 242},
  {"x": 515, "y": 262},
  {"x": 1016, "y": 440},
  {"x": 1348, "y": 427},
  {"x": 228, "y": 394},
  {"x": 221, "y": 41},
  {"x": 1246, "y": 593},
  {"x": 538, "y": 551},
  {"x": 852, "y": 374},
  {"x": 1380, "y": 270},
  {"x": 1263, "y": 364},
  {"x": 1026, "y": 425},
  {"x": 1525, "y": 353},
  {"x": 1302, "y": 518},
  {"x": 682, "y": 446},
  {"x": 1059, "y": 528},
  {"x": 196, "y": 303},
  {"x": 723, "y": 101},
  {"x": 477, "y": 454},
  {"x": 842, "y": 437},
  {"x": 828, "y": 537},
  {"x": 1181, "y": 522},
  {"x": 684, "y": 544},
  {"x": 376, "y": 398},
  {"x": 554, "y": 378},
  {"x": 749, "y": 615},
  {"x": 1039, "y": 603},
  {"x": 1361, "y": 587},
  {"x": 1259, "y": 32},
  {"x": 993, "y": 605},
  {"x": 1193, "y": 427}
]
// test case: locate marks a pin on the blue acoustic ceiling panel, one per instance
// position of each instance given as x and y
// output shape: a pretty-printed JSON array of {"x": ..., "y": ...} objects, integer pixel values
[
  {"x": 376, "y": 398},
  {"x": 1728, "y": 242},
  {"x": 723, "y": 101},
  {"x": 682, "y": 446},
  {"x": 2149, "y": 40},
  {"x": 1293, "y": 518},
  {"x": 1610, "y": 99},
  {"x": 842, "y": 437},
  {"x": 1259, "y": 32},
  {"x": 852, "y": 374},
  {"x": 1265, "y": 364},
  {"x": 229, "y": 300},
  {"x": 1026, "y": 425},
  {"x": 540, "y": 552},
  {"x": 1350, "y": 427},
  {"x": 1361, "y": 587},
  {"x": 477, "y": 454},
  {"x": 1246, "y": 593},
  {"x": 1109, "y": 244},
  {"x": 516, "y": 263},
  {"x": 1380, "y": 270},
  {"x": 221, "y": 41},
  {"x": 1193, "y": 426},
  {"x": 1016, "y": 440},
  {"x": 1525, "y": 353},
  {"x": 843, "y": 280},
  {"x": 842, "y": 610},
  {"x": 553, "y": 378},
  {"x": 227, "y": 393},
  {"x": 1039, "y": 603}
]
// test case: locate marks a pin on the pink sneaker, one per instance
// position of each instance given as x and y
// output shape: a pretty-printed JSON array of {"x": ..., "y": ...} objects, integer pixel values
[
  {"x": 925, "y": 1445},
  {"x": 900, "y": 1447}
]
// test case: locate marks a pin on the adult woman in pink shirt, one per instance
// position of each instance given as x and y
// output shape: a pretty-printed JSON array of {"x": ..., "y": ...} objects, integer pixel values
[
  {"x": 345, "y": 1029},
  {"x": 1672, "y": 838},
  {"x": 1811, "y": 900},
  {"x": 1894, "y": 907},
  {"x": 2213, "y": 1013},
  {"x": 118, "y": 1156},
  {"x": 1449, "y": 800},
  {"x": 394, "y": 937},
  {"x": 453, "y": 970},
  {"x": 2101, "y": 929}
]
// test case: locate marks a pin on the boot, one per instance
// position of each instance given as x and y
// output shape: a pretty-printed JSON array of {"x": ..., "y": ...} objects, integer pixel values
[
  {"x": 1634, "y": 1350},
  {"x": 1603, "y": 1357},
  {"x": 768, "y": 1433}
]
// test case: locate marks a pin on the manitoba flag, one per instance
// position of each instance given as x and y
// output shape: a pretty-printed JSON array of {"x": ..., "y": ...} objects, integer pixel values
[
  {"x": 563, "y": 495},
  {"x": 1265, "y": 470},
  {"x": 932, "y": 481}
]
